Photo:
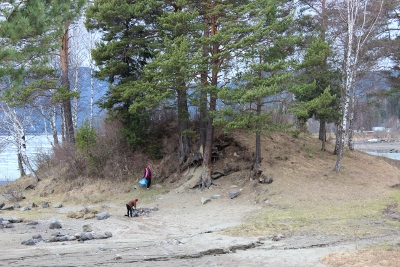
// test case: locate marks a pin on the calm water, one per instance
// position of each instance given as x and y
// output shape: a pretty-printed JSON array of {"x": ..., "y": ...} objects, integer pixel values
[
  {"x": 388, "y": 155},
  {"x": 42, "y": 144},
  {"x": 8, "y": 155}
]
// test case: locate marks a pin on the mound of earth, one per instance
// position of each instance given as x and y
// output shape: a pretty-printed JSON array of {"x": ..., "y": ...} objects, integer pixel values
[{"x": 182, "y": 231}]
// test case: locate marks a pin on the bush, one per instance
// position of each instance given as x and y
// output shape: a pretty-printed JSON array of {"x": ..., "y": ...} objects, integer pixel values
[
  {"x": 12, "y": 191},
  {"x": 86, "y": 137},
  {"x": 100, "y": 154}
]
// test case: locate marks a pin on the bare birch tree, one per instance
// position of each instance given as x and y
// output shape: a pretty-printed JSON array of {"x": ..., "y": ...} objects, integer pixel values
[
  {"x": 77, "y": 59},
  {"x": 360, "y": 19},
  {"x": 15, "y": 122}
]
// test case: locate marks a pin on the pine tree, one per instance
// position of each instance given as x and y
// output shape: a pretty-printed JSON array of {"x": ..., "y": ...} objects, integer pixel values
[
  {"x": 266, "y": 71},
  {"x": 314, "y": 77},
  {"x": 36, "y": 31},
  {"x": 129, "y": 37}
]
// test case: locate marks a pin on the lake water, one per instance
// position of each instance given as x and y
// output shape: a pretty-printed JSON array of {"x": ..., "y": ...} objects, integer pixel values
[
  {"x": 8, "y": 156},
  {"x": 42, "y": 144},
  {"x": 387, "y": 155}
]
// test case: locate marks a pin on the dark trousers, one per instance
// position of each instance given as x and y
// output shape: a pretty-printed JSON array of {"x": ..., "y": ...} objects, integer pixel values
[
  {"x": 129, "y": 210},
  {"x": 148, "y": 182}
]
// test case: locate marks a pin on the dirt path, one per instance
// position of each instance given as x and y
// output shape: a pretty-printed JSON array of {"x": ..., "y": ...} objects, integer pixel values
[{"x": 182, "y": 232}]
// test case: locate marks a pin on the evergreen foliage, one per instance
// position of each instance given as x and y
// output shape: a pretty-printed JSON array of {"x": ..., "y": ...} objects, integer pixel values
[
  {"x": 86, "y": 137},
  {"x": 266, "y": 69},
  {"x": 236, "y": 63}
]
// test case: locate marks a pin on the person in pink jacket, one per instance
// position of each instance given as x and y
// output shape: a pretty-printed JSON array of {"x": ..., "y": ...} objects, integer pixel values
[{"x": 148, "y": 176}]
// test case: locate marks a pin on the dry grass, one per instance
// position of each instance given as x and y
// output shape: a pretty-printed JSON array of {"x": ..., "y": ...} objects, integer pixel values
[{"x": 306, "y": 197}]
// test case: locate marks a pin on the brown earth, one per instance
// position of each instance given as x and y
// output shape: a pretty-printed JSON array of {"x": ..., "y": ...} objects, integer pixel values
[{"x": 308, "y": 216}]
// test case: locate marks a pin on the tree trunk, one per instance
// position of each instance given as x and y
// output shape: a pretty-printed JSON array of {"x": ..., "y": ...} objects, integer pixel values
[
  {"x": 350, "y": 142},
  {"x": 339, "y": 154},
  {"x": 257, "y": 162},
  {"x": 351, "y": 121},
  {"x": 337, "y": 140},
  {"x": 63, "y": 138},
  {"x": 183, "y": 121},
  {"x": 203, "y": 94},
  {"x": 342, "y": 130},
  {"x": 75, "y": 100},
  {"x": 26, "y": 161},
  {"x": 322, "y": 133},
  {"x": 206, "y": 172},
  {"x": 20, "y": 165},
  {"x": 301, "y": 125},
  {"x": 91, "y": 95},
  {"x": 69, "y": 128},
  {"x": 206, "y": 179},
  {"x": 53, "y": 123}
]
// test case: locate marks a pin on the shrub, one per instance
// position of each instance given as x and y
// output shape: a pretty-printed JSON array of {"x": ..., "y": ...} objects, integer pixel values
[
  {"x": 12, "y": 191},
  {"x": 86, "y": 137}
]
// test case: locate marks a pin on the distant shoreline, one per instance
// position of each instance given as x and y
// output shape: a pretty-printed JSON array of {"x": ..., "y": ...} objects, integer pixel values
[{"x": 378, "y": 147}]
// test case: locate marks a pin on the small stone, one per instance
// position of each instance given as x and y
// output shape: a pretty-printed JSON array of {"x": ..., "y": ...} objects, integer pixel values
[
  {"x": 28, "y": 242},
  {"x": 62, "y": 238},
  {"x": 103, "y": 215},
  {"x": 7, "y": 208},
  {"x": 87, "y": 228},
  {"x": 204, "y": 200},
  {"x": 71, "y": 238},
  {"x": 37, "y": 236},
  {"x": 55, "y": 225},
  {"x": 100, "y": 236},
  {"x": 234, "y": 193}
]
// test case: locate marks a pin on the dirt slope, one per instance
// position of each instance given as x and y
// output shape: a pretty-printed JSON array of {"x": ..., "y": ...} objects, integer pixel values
[{"x": 277, "y": 224}]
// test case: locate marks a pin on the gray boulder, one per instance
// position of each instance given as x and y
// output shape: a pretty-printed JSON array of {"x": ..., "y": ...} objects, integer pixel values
[
  {"x": 108, "y": 234},
  {"x": 103, "y": 215},
  {"x": 28, "y": 242},
  {"x": 62, "y": 238},
  {"x": 25, "y": 208},
  {"x": 37, "y": 236},
  {"x": 87, "y": 228},
  {"x": 55, "y": 225},
  {"x": 71, "y": 238},
  {"x": 14, "y": 220},
  {"x": 85, "y": 236},
  {"x": 32, "y": 205},
  {"x": 100, "y": 236},
  {"x": 234, "y": 193}
]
